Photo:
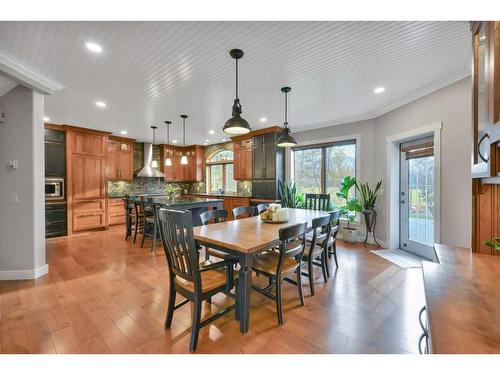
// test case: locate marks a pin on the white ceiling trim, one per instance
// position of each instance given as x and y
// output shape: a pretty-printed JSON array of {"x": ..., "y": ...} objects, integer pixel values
[
  {"x": 19, "y": 72},
  {"x": 426, "y": 90}
]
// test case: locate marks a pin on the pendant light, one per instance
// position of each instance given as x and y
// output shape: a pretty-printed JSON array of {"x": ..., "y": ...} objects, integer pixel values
[
  {"x": 236, "y": 124},
  {"x": 168, "y": 159},
  {"x": 286, "y": 140},
  {"x": 184, "y": 159},
  {"x": 154, "y": 163}
]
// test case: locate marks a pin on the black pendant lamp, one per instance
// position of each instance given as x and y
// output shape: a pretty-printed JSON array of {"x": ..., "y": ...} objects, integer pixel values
[
  {"x": 286, "y": 140},
  {"x": 168, "y": 159},
  {"x": 184, "y": 160},
  {"x": 236, "y": 125}
]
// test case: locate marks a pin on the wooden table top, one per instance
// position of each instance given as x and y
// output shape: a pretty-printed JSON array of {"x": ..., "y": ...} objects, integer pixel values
[
  {"x": 251, "y": 235},
  {"x": 462, "y": 295}
]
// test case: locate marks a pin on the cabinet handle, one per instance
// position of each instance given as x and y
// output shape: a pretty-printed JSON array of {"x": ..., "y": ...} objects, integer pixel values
[
  {"x": 424, "y": 328},
  {"x": 421, "y": 338},
  {"x": 479, "y": 147},
  {"x": 87, "y": 215}
]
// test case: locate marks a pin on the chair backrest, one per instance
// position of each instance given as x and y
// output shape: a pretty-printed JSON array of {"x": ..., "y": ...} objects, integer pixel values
[
  {"x": 216, "y": 215},
  {"x": 334, "y": 223},
  {"x": 317, "y": 201},
  {"x": 262, "y": 207},
  {"x": 321, "y": 230},
  {"x": 147, "y": 205},
  {"x": 176, "y": 231},
  {"x": 244, "y": 211},
  {"x": 292, "y": 243},
  {"x": 129, "y": 203}
]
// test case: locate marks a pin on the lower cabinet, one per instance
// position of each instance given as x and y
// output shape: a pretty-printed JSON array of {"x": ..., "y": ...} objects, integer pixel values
[
  {"x": 116, "y": 211},
  {"x": 89, "y": 214}
]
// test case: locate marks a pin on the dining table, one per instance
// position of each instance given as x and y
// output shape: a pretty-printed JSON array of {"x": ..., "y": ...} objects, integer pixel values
[{"x": 246, "y": 238}]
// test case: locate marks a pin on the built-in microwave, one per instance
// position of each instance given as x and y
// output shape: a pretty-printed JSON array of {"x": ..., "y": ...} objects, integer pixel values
[{"x": 54, "y": 188}]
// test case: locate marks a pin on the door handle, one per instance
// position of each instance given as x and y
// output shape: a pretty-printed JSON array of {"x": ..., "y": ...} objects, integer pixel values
[{"x": 479, "y": 147}]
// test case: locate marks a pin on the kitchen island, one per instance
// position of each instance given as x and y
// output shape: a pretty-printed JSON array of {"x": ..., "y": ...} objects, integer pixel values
[{"x": 194, "y": 204}]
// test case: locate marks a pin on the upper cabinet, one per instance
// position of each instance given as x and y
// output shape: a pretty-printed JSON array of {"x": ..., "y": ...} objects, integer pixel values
[
  {"x": 485, "y": 97},
  {"x": 193, "y": 171},
  {"x": 120, "y": 159},
  {"x": 242, "y": 156}
]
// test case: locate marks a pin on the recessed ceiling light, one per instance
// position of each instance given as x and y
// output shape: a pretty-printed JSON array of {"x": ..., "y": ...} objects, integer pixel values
[
  {"x": 100, "y": 104},
  {"x": 46, "y": 119},
  {"x": 174, "y": 140},
  {"x": 123, "y": 132},
  {"x": 94, "y": 47},
  {"x": 263, "y": 119},
  {"x": 205, "y": 144},
  {"x": 379, "y": 90},
  {"x": 211, "y": 132},
  {"x": 207, "y": 140}
]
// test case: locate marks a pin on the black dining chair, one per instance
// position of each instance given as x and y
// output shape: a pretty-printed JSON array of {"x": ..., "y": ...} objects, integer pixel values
[
  {"x": 277, "y": 265},
  {"x": 216, "y": 216},
  {"x": 150, "y": 227},
  {"x": 138, "y": 217},
  {"x": 317, "y": 202},
  {"x": 195, "y": 281},
  {"x": 129, "y": 215},
  {"x": 316, "y": 249},
  {"x": 262, "y": 207},
  {"x": 242, "y": 212}
]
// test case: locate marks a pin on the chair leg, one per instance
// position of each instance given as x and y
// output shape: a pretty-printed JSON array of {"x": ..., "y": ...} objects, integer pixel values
[
  {"x": 195, "y": 326},
  {"x": 279, "y": 306},
  {"x": 327, "y": 264},
  {"x": 299, "y": 286},
  {"x": 311, "y": 276},
  {"x": 143, "y": 234},
  {"x": 323, "y": 266},
  {"x": 329, "y": 251},
  {"x": 127, "y": 226},
  {"x": 153, "y": 243},
  {"x": 207, "y": 256},
  {"x": 237, "y": 293},
  {"x": 171, "y": 304},
  {"x": 334, "y": 246},
  {"x": 136, "y": 226}
]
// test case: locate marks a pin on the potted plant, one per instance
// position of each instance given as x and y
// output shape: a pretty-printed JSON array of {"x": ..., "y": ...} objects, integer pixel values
[
  {"x": 349, "y": 209},
  {"x": 170, "y": 190},
  {"x": 288, "y": 194},
  {"x": 494, "y": 244},
  {"x": 368, "y": 200}
]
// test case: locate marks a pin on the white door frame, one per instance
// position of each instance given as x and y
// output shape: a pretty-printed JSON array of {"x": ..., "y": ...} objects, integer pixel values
[{"x": 393, "y": 179}]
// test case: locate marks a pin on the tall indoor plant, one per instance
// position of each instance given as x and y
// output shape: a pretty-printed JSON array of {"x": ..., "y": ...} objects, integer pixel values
[
  {"x": 368, "y": 200},
  {"x": 349, "y": 209},
  {"x": 288, "y": 195}
]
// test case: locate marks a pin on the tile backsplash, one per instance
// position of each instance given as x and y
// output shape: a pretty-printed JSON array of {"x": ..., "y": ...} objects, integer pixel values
[{"x": 145, "y": 185}]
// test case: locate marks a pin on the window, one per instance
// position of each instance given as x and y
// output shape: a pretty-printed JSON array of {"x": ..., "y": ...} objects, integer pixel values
[
  {"x": 321, "y": 168},
  {"x": 220, "y": 172}
]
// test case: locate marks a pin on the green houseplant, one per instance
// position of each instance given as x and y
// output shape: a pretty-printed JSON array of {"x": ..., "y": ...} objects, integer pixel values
[
  {"x": 349, "y": 208},
  {"x": 494, "y": 243},
  {"x": 288, "y": 195},
  {"x": 368, "y": 200},
  {"x": 170, "y": 190}
]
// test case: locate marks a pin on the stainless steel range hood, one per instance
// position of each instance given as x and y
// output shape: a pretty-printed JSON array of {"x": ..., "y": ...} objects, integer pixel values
[{"x": 148, "y": 170}]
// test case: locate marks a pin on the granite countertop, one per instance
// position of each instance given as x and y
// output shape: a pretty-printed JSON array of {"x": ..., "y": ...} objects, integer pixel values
[{"x": 181, "y": 200}]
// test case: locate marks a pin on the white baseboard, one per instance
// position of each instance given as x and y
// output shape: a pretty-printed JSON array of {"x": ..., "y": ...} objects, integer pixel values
[
  {"x": 361, "y": 238},
  {"x": 24, "y": 274}
]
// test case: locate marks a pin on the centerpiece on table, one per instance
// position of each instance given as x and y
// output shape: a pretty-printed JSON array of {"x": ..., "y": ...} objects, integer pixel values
[{"x": 275, "y": 214}]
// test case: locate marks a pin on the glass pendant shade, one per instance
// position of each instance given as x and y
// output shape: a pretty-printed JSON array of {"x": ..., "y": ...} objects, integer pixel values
[
  {"x": 168, "y": 162},
  {"x": 236, "y": 125},
  {"x": 286, "y": 140},
  {"x": 154, "y": 164},
  {"x": 184, "y": 160}
]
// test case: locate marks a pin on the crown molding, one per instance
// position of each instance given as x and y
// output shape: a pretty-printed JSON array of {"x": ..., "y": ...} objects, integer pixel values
[{"x": 26, "y": 76}]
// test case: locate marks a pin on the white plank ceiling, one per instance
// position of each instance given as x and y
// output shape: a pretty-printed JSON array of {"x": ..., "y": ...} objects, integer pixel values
[{"x": 149, "y": 72}]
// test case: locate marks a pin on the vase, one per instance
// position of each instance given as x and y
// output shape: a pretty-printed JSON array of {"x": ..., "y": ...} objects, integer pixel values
[
  {"x": 350, "y": 235},
  {"x": 370, "y": 222}
]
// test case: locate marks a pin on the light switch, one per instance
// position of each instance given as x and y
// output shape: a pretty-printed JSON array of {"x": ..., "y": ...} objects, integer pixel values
[
  {"x": 13, "y": 164},
  {"x": 15, "y": 198}
]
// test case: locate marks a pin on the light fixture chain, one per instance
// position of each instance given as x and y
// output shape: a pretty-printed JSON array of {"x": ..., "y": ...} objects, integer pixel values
[{"x": 237, "y": 79}]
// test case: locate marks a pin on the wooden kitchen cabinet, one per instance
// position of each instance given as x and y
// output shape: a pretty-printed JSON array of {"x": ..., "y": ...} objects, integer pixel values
[
  {"x": 86, "y": 156},
  {"x": 120, "y": 159},
  {"x": 116, "y": 211},
  {"x": 194, "y": 171},
  {"x": 242, "y": 159}
]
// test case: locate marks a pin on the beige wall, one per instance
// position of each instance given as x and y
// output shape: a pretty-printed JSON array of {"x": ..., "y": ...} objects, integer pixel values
[{"x": 449, "y": 105}]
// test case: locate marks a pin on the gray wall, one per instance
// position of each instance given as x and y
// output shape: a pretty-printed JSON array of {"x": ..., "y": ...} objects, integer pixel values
[
  {"x": 451, "y": 105},
  {"x": 22, "y": 224}
]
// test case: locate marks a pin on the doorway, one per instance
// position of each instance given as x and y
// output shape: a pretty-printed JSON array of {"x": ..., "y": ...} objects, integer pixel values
[{"x": 417, "y": 197}]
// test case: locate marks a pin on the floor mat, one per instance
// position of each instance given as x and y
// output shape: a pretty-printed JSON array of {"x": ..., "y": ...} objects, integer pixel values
[{"x": 399, "y": 257}]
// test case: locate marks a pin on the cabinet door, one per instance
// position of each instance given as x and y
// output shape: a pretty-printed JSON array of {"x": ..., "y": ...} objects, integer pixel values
[
  {"x": 112, "y": 165},
  {"x": 92, "y": 144},
  {"x": 55, "y": 159},
  {"x": 270, "y": 155},
  {"x": 246, "y": 159},
  {"x": 125, "y": 165},
  {"x": 238, "y": 164},
  {"x": 88, "y": 176},
  {"x": 259, "y": 169}
]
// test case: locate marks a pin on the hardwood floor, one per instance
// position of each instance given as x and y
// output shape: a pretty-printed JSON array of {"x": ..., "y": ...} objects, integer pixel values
[{"x": 106, "y": 295}]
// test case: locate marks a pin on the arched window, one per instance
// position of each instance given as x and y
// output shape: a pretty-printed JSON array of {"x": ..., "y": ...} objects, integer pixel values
[{"x": 220, "y": 172}]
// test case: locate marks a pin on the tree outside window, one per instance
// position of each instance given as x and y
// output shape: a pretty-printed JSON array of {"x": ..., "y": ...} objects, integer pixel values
[{"x": 220, "y": 172}]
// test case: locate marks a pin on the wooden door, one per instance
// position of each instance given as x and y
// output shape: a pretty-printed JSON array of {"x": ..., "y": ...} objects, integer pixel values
[
  {"x": 246, "y": 166},
  {"x": 125, "y": 165},
  {"x": 88, "y": 176},
  {"x": 112, "y": 162},
  {"x": 92, "y": 144},
  {"x": 238, "y": 164}
]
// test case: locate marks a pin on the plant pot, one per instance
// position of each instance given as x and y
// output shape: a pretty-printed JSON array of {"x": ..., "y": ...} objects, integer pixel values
[
  {"x": 370, "y": 217},
  {"x": 350, "y": 235}
]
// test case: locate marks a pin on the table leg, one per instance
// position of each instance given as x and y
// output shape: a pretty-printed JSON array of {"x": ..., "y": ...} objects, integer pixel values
[{"x": 245, "y": 280}]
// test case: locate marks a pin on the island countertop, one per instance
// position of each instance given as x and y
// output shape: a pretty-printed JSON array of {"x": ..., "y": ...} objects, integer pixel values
[
  {"x": 462, "y": 296},
  {"x": 181, "y": 200}
]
